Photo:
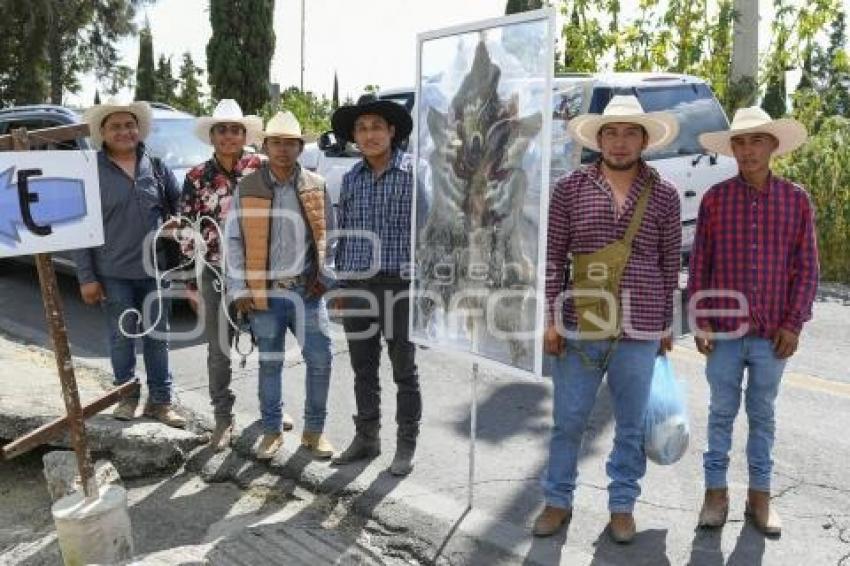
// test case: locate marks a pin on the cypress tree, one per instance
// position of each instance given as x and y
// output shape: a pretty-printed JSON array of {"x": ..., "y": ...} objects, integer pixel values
[
  {"x": 239, "y": 53},
  {"x": 145, "y": 81}
]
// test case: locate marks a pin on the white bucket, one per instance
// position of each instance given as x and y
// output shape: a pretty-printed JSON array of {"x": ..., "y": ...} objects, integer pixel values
[{"x": 96, "y": 531}]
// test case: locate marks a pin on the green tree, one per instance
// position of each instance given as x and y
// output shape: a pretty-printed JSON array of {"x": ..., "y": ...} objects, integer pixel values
[
  {"x": 82, "y": 36},
  {"x": 836, "y": 98},
  {"x": 165, "y": 85},
  {"x": 189, "y": 99},
  {"x": 23, "y": 55},
  {"x": 517, "y": 6},
  {"x": 335, "y": 96},
  {"x": 312, "y": 112},
  {"x": 775, "y": 95},
  {"x": 145, "y": 72},
  {"x": 240, "y": 50}
]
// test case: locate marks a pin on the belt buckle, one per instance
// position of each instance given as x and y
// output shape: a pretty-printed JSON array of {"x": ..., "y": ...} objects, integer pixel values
[{"x": 286, "y": 283}]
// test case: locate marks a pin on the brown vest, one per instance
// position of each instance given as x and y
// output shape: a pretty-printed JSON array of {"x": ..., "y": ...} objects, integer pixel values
[{"x": 255, "y": 202}]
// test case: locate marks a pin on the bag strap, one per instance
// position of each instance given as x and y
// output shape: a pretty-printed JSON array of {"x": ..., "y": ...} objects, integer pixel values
[
  {"x": 640, "y": 209},
  {"x": 157, "y": 167}
]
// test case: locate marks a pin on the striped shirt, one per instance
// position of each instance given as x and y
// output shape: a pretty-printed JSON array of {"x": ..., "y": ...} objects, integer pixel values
[
  {"x": 761, "y": 244},
  {"x": 583, "y": 219},
  {"x": 380, "y": 206}
]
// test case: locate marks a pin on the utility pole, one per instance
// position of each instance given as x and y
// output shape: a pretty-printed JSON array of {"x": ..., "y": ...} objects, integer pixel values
[
  {"x": 745, "y": 47},
  {"x": 302, "y": 45}
]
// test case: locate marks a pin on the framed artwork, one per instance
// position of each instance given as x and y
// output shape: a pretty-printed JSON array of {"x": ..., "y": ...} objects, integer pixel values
[{"x": 483, "y": 141}]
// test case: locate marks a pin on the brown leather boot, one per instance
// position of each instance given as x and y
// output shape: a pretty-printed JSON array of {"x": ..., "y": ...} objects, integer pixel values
[
  {"x": 715, "y": 508},
  {"x": 550, "y": 521},
  {"x": 622, "y": 527},
  {"x": 762, "y": 514},
  {"x": 164, "y": 414}
]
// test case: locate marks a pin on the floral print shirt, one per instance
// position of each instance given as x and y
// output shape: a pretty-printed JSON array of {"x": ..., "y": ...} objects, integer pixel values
[{"x": 207, "y": 194}]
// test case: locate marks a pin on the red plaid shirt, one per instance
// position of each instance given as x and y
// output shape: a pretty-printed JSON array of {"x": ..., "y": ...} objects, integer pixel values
[
  {"x": 583, "y": 219},
  {"x": 761, "y": 244}
]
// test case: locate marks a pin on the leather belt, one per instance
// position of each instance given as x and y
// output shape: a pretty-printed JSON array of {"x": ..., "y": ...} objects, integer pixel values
[{"x": 289, "y": 282}]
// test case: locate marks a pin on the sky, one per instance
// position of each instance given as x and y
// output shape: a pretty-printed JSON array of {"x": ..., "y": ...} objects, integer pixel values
[{"x": 364, "y": 41}]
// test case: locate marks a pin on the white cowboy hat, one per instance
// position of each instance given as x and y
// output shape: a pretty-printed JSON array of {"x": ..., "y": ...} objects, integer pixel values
[
  {"x": 95, "y": 116},
  {"x": 227, "y": 111},
  {"x": 284, "y": 124},
  {"x": 662, "y": 127},
  {"x": 790, "y": 133}
]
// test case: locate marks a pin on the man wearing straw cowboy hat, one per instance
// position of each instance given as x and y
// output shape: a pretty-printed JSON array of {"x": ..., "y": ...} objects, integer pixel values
[
  {"x": 135, "y": 192},
  {"x": 279, "y": 265},
  {"x": 616, "y": 224},
  {"x": 755, "y": 254},
  {"x": 207, "y": 194}
]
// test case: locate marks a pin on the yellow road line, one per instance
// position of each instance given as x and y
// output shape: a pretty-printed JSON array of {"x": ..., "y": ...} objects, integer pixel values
[{"x": 794, "y": 379}]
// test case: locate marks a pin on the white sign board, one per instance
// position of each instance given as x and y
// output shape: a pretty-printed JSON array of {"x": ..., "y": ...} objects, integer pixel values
[
  {"x": 483, "y": 120},
  {"x": 49, "y": 201}
]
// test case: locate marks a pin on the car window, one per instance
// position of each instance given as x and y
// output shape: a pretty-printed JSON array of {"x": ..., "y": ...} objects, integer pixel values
[
  {"x": 32, "y": 124},
  {"x": 174, "y": 141},
  {"x": 694, "y": 105},
  {"x": 696, "y": 110}
]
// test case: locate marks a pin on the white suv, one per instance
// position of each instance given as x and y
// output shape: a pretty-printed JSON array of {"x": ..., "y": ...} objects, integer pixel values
[{"x": 683, "y": 162}]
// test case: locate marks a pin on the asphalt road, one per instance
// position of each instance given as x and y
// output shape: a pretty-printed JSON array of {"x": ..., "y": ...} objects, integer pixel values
[{"x": 812, "y": 479}]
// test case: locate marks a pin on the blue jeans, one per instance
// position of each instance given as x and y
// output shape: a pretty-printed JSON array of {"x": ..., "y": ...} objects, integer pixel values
[
  {"x": 307, "y": 318},
  {"x": 725, "y": 373},
  {"x": 576, "y": 378},
  {"x": 125, "y": 294}
]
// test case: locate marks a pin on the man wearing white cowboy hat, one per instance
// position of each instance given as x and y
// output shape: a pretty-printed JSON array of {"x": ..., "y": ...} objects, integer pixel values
[
  {"x": 207, "y": 194},
  {"x": 616, "y": 223},
  {"x": 755, "y": 254},
  {"x": 137, "y": 193},
  {"x": 279, "y": 265},
  {"x": 376, "y": 196}
]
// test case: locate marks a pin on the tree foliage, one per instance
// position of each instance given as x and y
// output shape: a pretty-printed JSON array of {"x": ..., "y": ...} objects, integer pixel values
[
  {"x": 517, "y": 6},
  {"x": 313, "y": 112},
  {"x": 165, "y": 85},
  {"x": 239, "y": 53},
  {"x": 190, "y": 98},
  {"x": 145, "y": 71},
  {"x": 48, "y": 44},
  {"x": 686, "y": 36}
]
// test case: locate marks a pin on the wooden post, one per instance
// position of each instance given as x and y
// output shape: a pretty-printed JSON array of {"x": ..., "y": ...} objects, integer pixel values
[{"x": 62, "y": 351}]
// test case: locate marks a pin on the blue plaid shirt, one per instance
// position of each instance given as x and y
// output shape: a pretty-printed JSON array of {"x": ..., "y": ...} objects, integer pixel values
[{"x": 381, "y": 206}]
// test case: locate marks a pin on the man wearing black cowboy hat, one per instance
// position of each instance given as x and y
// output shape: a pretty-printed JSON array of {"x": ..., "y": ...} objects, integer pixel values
[{"x": 376, "y": 198}]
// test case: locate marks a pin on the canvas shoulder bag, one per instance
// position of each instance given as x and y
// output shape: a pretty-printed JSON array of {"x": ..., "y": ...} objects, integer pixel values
[{"x": 597, "y": 276}]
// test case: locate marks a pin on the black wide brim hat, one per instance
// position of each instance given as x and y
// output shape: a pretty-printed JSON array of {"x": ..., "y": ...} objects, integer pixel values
[{"x": 395, "y": 114}]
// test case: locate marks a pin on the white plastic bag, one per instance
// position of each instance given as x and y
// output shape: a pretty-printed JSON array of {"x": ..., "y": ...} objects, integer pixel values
[{"x": 667, "y": 431}]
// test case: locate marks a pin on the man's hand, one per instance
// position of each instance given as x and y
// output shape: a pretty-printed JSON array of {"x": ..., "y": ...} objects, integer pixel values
[
  {"x": 553, "y": 342},
  {"x": 704, "y": 340},
  {"x": 92, "y": 293},
  {"x": 785, "y": 343},
  {"x": 665, "y": 346},
  {"x": 244, "y": 305}
]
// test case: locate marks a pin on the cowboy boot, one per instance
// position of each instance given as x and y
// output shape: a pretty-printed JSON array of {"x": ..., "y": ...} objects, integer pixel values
[
  {"x": 402, "y": 463},
  {"x": 222, "y": 434},
  {"x": 550, "y": 521},
  {"x": 762, "y": 514},
  {"x": 165, "y": 414},
  {"x": 622, "y": 527},
  {"x": 366, "y": 444},
  {"x": 715, "y": 508},
  {"x": 318, "y": 445}
]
